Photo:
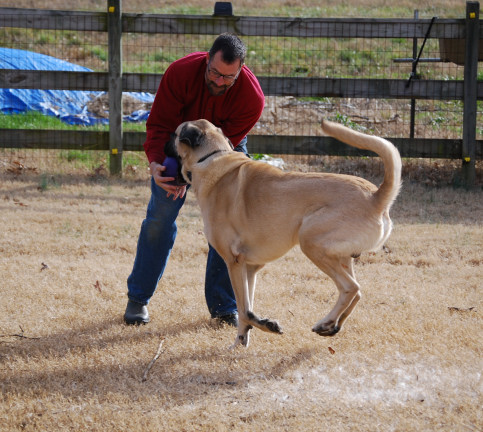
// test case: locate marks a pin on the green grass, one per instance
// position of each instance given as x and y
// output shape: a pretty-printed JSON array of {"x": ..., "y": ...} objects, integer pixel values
[
  {"x": 345, "y": 120},
  {"x": 98, "y": 161},
  {"x": 95, "y": 161},
  {"x": 37, "y": 120},
  {"x": 31, "y": 120},
  {"x": 267, "y": 56},
  {"x": 306, "y": 9},
  {"x": 76, "y": 156},
  {"x": 100, "y": 53}
]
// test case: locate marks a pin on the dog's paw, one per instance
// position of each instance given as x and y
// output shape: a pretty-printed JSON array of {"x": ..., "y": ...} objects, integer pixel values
[
  {"x": 326, "y": 331},
  {"x": 264, "y": 324},
  {"x": 241, "y": 339},
  {"x": 271, "y": 325}
]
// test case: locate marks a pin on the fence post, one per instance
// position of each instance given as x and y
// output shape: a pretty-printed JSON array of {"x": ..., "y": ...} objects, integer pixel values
[
  {"x": 470, "y": 93},
  {"x": 413, "y": 101},
  {"x": 114, "y": 25}
]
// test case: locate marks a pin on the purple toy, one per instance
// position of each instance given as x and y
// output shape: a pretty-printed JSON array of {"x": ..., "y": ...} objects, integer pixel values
[{"x": 172, "y": 166}]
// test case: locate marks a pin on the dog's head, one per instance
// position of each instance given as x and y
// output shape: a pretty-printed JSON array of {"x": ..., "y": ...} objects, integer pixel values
[{"x": 195, "y": 141}]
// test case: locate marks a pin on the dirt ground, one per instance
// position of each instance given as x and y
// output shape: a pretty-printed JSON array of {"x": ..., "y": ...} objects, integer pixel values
[{"x": 408, "y": 359}]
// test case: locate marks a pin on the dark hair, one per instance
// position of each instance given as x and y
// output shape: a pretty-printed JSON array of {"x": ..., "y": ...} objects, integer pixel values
[{"x": 231, "y": 47}]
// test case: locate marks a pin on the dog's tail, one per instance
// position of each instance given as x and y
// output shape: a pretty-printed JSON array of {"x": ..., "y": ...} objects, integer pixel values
[{"x": 388, "y": 190}]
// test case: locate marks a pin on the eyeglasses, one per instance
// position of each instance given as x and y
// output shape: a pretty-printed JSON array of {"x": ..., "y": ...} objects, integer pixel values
[{"x": 214, "y": 74}]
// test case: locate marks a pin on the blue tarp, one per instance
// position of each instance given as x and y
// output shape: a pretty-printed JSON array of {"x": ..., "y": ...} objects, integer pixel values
[{"x": 68, "y": 105}]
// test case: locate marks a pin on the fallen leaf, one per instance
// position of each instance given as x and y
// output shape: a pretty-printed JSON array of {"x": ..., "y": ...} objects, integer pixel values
[
  {"x": 17, "y": 202},
  {"x": 97, "y": 285}
]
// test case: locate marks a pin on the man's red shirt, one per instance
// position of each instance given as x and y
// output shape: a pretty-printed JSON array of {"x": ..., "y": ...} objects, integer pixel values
[{"x": 183, "y": 95}]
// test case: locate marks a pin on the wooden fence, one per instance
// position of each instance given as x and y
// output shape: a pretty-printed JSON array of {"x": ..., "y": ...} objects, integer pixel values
[{"x": 466, "y": 31}]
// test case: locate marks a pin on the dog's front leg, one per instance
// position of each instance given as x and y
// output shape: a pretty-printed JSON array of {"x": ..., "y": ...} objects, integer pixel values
[
  {"x": 252, "y": 270},
  {"x": 237, "y": 270},
  {"x": 243, "y": 336}
]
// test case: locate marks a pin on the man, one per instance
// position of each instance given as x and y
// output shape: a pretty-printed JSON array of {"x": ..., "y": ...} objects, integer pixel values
[{"x": 218, "y": 87}]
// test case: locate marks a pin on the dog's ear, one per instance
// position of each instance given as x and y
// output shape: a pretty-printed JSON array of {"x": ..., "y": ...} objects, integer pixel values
[
  {"x": 170, "y": 148},
  {"x": 190, "y": 135}
]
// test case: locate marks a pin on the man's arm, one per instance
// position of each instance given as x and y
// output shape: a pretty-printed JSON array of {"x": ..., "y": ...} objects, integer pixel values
[{"x": 164, "y": 118}]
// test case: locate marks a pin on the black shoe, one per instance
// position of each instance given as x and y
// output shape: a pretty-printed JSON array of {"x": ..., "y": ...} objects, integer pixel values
[
  {"x": 136, "y": 313},
  {"x": 230, "y": 319}
]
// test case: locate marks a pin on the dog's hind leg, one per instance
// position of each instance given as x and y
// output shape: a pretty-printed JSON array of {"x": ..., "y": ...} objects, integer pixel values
[
  {"x": 354, "y": 301},
  {"x": 341, "y": 271}
]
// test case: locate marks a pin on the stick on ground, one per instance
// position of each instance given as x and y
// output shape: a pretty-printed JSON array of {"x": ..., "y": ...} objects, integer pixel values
[{"x": 151, "y": 363}]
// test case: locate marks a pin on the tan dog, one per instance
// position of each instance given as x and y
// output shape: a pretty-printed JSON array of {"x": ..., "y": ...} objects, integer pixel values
[{"x": 254, "y": 213}]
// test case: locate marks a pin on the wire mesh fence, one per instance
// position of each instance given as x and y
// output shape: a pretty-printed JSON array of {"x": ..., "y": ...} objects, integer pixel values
[{"x": 271, "y": 56}]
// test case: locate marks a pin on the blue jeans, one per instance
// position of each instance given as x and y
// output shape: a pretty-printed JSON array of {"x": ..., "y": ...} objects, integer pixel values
[{"x": 155, "y": 242}]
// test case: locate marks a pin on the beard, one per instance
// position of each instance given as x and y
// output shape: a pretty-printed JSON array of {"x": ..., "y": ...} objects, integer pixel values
[{"x": 216, "y": 90}]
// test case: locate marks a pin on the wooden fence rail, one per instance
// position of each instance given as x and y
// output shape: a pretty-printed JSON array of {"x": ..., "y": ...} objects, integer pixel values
[{"x": 114, "y": 22}]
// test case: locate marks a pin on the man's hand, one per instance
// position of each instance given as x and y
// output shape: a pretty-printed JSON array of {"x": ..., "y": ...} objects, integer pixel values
[{"x": 157, "y": 172}]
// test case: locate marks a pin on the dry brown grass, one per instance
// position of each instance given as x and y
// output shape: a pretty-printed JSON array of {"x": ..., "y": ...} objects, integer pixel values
[{"x": 409, "y": 358}]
